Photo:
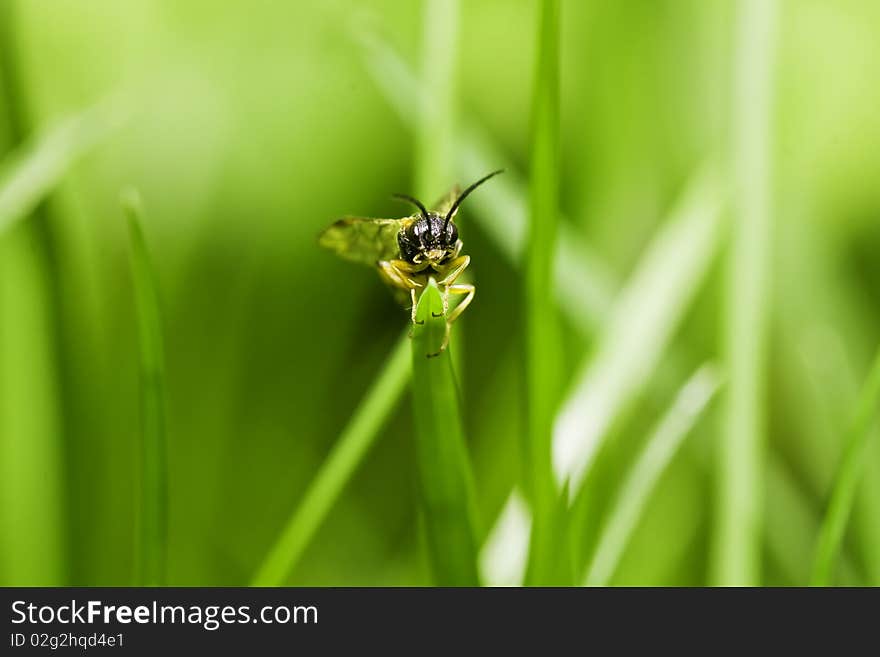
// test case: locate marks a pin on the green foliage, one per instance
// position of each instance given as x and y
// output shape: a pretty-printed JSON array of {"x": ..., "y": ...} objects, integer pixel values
[
  {"x": 32, "y": 522},
  {"x": 737, "y": 546},
  {"x": 28, "y": 176},
  {"x": 542, "y": 333},
  {"x": 640, "y": 325},
  {"x": 847, "y": 479},
  {"x": 152, "y": 548},
  {"x": 356, "y": 439},
  {"x": 633, "y": 495},
  {"x": 607, "y": 256}
]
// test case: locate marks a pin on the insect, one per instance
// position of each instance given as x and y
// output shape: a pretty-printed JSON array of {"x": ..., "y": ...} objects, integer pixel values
[{"x": 408, "y": 252}]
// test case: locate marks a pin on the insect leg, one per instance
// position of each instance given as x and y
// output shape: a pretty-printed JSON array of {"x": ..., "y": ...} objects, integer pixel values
[
  {"x": 462, "y": 288},
  {"x": 403, "y": 268},
  {"x": 453, "y": 271},
  {"x": 412, "y": 295},
  {"x": 396, "y": 273},
  {"x": 389, "y": 274}
]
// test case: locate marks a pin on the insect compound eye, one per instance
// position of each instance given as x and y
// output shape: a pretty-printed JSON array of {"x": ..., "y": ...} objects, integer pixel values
[
  {"x": 410, "y": 233},
  {"x": 452, "y": 233}
]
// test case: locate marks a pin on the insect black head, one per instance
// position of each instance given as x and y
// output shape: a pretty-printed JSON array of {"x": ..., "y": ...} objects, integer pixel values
[
  {"x": 432, "y": 237},
  {"x": 464, "y": 194},
  {"x": 425, "y": 239}
]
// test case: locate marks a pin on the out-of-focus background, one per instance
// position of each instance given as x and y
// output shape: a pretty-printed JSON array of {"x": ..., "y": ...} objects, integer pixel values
[{"x": 250, "y": 126}]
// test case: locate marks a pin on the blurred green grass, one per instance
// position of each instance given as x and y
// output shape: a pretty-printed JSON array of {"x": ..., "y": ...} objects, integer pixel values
[
  {"x": 255, "y": 127},
  {"x": 445, "y": 480},
  {"x": 549, "y": 555},
  {"x": 151, "y": 550}
]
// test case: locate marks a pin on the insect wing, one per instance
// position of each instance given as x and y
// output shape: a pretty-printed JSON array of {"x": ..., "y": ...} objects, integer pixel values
[{"x": 362, "y": 239}]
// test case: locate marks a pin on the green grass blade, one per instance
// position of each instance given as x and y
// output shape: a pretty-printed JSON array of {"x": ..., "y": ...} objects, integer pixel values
[
  {"x": 664, "y": 442},
  {"x": 445, "y": 481},
  {"x": 636, "y": 334},
  {"x": 152, "y": 548},
  {"x": 582, "y": 284},
  {"x": 32, "y": 502},
  {"x": 504, "y": 554},
  {"x": 435, "y": 135},
  {"x": 542, "y": 332},
  {"x": 34, "y": 423},
  {"x": 847, "y": 479},
  {"x": 640, "y": 327},
  {"x": 737, "y": 541},
  {"x": 27, "y": 176},
  {"x": 792, "y": 524},
  {"x": 32, "y": 510},
  {"x": 356, "y": 439}
]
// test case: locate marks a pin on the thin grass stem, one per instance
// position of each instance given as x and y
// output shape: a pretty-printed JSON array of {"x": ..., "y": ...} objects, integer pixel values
[
  {"x": 845, "y": 483},
  {"x": 446, "y": 487},
  {"x": 152, "y": 546},
  {"x": 737, "y": 539},
  {"x": 435, "y": 137},
  {"x": 354, "y": 442},
  {"x": 541, "y": 330},
  {"x": 658, "y": 452}
]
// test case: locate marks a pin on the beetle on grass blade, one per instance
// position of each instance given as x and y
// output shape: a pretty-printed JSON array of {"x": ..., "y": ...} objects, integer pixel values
[{"x": 409, "y": 252}]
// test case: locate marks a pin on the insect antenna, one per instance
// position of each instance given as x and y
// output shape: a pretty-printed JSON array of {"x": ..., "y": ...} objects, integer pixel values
[
  {"x": 464, "y": 194},
  {"x": 416, "y": 202}
]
